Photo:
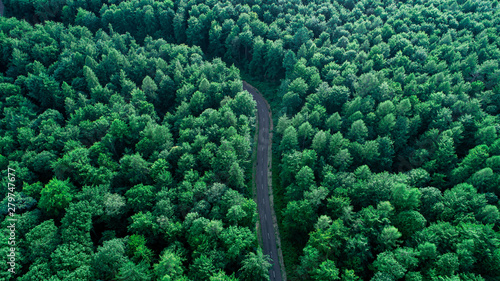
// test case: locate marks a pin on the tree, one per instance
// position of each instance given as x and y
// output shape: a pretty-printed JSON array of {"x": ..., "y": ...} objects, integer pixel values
[
  {"x": 246, "y": 37},
  {"x": 150, "y": 88},
  {"x": 137, "y": 249},
  {"x": 305, "y": 134},
  {"x": 366, "y": 84},
  {"x": 180, "y": 26},
  {"x": 405, "y": 198},
  {"x": 255, "y": 266},
  {"x": 221, "y": 276},
  {"x": 225, "y": 157},
  {"x": 333, "y": 98},
  {"x": 44, "y": 89},
  {"x": 304, "y": 180},
  {"x": 202, "y": 268},
  {"x": 130, "y": 271},
  {"x": 19, "y": 62},
  {"x": 109, "y": 258},
  {"x": 69, "y": 258},
  {"x": 154, "y": 137},
  {"x": 140, "y": 197},
  {"x": 290, "y": 166},
  {"x": 387, "y": 124},
  {"x": 91, "y": 78},
  {"x": 298, "y": 218},
  {"x": 144, "y": 224},
  {"x": 42, "y": 163},
  {"x": 388, "y": 238},
  {"x": 428, "y": 251},
  {"x": 134, "y": 169},
  {"x": 236, "y": 176},
  {"x": 319, "y": 143},
  {"x": 301, "y": 36},
  {"x": 293, "y": 101},
  {"x": 342, "y": 160},
  {"x": 334, "y": 122},
  {"x": 197, "y": 103},
  {"x": 475, "y": 158},
  {"x": 38, "y": 272},
  {"x": 243, "y": 104},
  {"x": 447, "y": 264},
  {"x": 386, "y": 149},
  {"x": 194, "y": 34},
  {"x": 114, "y": 205},
  {"x": 328, "y": 237},
  {"x": 358, "y": 251},
  {"x": 77, "y": 222},
  {"x": 460, "y": 201},
  {"x": 489, "y": 214},
  {"x": 327, "y": 271},
  {"x": 55, "y": 196},
  {"x": 409, "y": 222},
  {"x": 169, "y": 267},
  {"x": 204, "y": 85},
  {"x": 215, "y": 38},
  {"x": 358, "y": 131},
  {"x": 298, "y": 86},
  {"x": 273, "y": 58},
  {"x": 42, "y": 240},
  {"x": 445, "y": 155},
  {"x": 386, "y": 263},
  {"x": 485, "y": 180},
  {"x": 289, "y": 140},
  {"x": 289, "y": 61},
  {"x": 33, "y": 190},
  {"x": 237, "y": 240},
  {"x": 431, "y": 202},
  {"x": 317, "y": 117}
]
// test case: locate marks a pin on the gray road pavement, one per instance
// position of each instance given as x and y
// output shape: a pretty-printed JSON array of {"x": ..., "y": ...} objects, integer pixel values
[{"x": 263, "y": 203}]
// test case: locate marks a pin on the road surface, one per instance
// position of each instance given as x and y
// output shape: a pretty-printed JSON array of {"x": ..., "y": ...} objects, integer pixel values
[{"x": 263, "y": 201}]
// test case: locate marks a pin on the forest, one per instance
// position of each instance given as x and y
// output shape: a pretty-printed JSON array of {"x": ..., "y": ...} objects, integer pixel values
[{"x": 131, "y": 138}]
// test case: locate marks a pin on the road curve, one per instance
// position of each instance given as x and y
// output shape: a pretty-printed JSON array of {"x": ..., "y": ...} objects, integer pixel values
[{"x": 261, "y": 181}]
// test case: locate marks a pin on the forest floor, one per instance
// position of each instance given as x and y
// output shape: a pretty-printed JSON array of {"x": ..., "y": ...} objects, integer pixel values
[{"x": 268, "y": 223}]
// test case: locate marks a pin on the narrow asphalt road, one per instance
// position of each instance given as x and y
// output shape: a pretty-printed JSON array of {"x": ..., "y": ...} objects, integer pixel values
[{"x": 263, "y": 201}]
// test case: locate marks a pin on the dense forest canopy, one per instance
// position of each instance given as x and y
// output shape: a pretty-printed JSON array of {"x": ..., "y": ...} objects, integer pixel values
[
  {"x": 132, "y": 159},
  {"x": 131, "y": 137}
]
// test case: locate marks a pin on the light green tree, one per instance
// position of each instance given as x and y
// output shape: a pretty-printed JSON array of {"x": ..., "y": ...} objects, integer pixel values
[
  {"x": 55, "y": 196},
  {"x": 256, "y": 266}
]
